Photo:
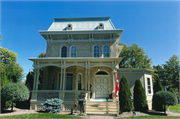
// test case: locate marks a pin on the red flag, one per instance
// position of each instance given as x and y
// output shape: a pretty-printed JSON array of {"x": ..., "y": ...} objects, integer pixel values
[{"x": 117, "y": 87}]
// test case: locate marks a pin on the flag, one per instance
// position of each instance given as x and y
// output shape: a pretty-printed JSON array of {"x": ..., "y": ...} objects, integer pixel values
[{"x": 117, "y": 87}]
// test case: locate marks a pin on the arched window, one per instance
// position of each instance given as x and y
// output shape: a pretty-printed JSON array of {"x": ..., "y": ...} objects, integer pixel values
[
  {"x": 106, "y": 51},
  {"x": 64, "y": 51},
  {"x": 79, "y": 82},
  {"x": 96, "y": 51},
  {"x": 73, "y": 51}
]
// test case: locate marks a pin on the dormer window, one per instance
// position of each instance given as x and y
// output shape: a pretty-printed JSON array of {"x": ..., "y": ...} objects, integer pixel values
[
  {"x": 69, "y": 27},
  {"x": 101, "y": 26}
]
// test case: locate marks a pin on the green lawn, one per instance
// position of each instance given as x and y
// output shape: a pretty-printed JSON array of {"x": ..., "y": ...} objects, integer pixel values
[
  {"x": 175, "y": 108},
  {"x": 40, "y": 115},
  {"x": 150, "y": 117}
]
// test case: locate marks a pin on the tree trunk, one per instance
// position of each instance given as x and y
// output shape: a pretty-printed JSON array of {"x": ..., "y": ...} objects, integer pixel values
[{"x": 12, "y": 107}]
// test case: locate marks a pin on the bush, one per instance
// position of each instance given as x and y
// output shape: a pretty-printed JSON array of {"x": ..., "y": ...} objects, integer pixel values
[
  {"x": 157, "y": 87},
  {"x": 164, "y": 98},
  {"x": 53, "y": 105},
  {"x": 124, "y": 96},
  {"x": 15, "y": 92},
  {"x": 140, "y": 102}
]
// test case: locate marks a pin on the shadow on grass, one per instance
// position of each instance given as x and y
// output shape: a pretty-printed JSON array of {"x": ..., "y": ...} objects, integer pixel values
[{"x": 152, "y": 112}]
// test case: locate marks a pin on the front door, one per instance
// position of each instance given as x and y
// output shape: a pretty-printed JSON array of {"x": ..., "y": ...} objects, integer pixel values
[{"x": 101, "y": 86}]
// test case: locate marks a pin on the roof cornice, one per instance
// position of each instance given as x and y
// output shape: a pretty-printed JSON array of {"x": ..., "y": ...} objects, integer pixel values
[
  {"x": 81, "y": 32},
  {"x": 81, "y": 18}
]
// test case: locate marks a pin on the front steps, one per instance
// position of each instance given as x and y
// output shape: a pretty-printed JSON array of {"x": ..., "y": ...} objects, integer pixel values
[{"x": 101, "y": 108}]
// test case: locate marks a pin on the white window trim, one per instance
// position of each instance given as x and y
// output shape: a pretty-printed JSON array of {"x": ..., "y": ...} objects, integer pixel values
[
  {"x": 146, "y": 84},
  {"x": 103, "y": 51},
  {"x": 61, "y": 50},
  {"x": 70, "y": 50},
  {"x": 72, "y": 80},
  {"x": 81, "y": 81},
  {"x": 99, "y": 51}
]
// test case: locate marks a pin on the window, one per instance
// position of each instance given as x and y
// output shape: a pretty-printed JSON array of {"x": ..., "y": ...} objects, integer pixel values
[
  {"x": 73, "y": 51},
  {"x": 96, "y": 51},
  {"x": 69, "y": 81},
  {"x": 101, "y": 26},
  {"x": 69, "y": 27},
  {"x": 64, "y": 51},
  {"x": 101, "y": 73},
  {"x": 149, "y": 85},
  {"x": 53, "y": 80},
  {"x": 106, "y": 51},
  {"x": 79, "y": 82}
]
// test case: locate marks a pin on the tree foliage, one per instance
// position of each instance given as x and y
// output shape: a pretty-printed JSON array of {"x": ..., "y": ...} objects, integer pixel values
[
  {"x": 15, "y": 92},
  {"x": 171, "y": 74},
  {"x": 42, "y": 54},
  {"x": 4, "y": 79},
  {"x": 124, "y": 96},
  {"x": 134, "y": 57},
  {"x": 140, "y": 102},
  {"x": 164, "y": 98},
  {"x": 157, "y": 86},
  {"x": 30, "y": 76},
  {"x": 13, "y": 71}
]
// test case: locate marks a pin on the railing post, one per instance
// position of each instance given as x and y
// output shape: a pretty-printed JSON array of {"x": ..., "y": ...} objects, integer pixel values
[{"x": 117, "y": 105}]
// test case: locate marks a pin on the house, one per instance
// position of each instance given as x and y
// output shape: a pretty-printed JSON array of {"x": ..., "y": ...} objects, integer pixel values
[{"x": 82, "y": 57}]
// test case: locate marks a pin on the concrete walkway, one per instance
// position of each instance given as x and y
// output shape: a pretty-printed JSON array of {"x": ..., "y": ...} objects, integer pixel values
[{"x": 101, "y": 117}]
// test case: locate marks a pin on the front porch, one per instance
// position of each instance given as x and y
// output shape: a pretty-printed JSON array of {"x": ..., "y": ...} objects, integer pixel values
[{"x": 68, "y": 80}]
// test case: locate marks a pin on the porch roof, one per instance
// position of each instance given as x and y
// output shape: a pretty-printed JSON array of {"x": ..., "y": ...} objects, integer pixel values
[{"x": 135, "y": 69}]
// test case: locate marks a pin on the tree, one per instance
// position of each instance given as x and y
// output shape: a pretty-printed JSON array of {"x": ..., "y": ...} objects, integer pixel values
[
  {"x": 15, "y": 92},
  {"x": 134, "y": 57},
  {"x": 12, "y": 69},
  {"x": 4, "y": 80},
  {"x": 42, "y": 54},
  {"x": 164, "y": 98},
  {"x": 30, "y": 76},
  {"x": 171, "y": 74},
  {"x": 140, "y": 102},
  {"x": 157, "y": 86},
  {"x": 124, "y": 96},
  {"x": 30, "y": 80}
]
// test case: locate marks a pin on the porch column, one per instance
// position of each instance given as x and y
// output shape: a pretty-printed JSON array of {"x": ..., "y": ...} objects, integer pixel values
[
  {"x": 37, "y": 79},
  {"x": 64, "y": 77},
  {"x": 88, "y": 79},
  {"x": 34, "y": 85},
  {"x": 60, "y": 85},
  {"x": 114, "y": 82}
]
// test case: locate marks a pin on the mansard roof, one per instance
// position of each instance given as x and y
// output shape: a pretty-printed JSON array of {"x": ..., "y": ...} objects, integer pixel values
[{"x": 79, "y": 24}]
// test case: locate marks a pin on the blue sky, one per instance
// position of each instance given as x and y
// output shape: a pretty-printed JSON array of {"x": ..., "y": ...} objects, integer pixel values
[{"x": 153, "y": 25}]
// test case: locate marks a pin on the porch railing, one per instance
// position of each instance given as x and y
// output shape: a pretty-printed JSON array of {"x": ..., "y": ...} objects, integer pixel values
[{"x": 44, "y": 95}]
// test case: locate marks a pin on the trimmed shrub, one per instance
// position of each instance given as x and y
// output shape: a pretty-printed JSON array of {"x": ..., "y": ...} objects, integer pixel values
[
  {"x": 157, "y": 87},
  {"x": 140, "y": 102},
  {"x": 124, "y": 96},
  {"x": 53, "y": 105},
  {"x": 164, "y": 98},
  {"x": 15, "y": 92}
]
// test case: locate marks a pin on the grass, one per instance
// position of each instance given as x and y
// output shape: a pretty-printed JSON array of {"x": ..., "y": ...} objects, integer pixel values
[
  {"x": 151, "y": 117},
  {"x": 40, "y": 115},
  {"x": 175, "y": 108}
]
